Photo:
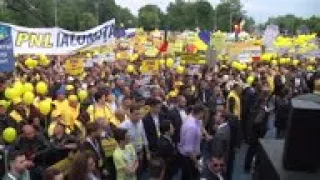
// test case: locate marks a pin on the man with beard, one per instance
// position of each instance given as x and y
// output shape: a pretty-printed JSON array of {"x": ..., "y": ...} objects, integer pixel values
[{"x": 34, "y": 146}]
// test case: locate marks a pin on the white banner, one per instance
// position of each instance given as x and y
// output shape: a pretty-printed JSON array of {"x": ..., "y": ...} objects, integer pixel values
[
  {"x": 57, "y": 41},
  {"x": 270, "y": 34}
]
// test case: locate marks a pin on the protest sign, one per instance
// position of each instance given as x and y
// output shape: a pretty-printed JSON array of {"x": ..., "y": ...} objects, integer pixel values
[
  {"x": 6, "y": 49},
  {"x": 270, "y": 34},
  {"x": 57, "y": 41}
]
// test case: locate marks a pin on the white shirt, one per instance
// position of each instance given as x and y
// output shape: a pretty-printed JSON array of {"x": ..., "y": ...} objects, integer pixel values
[
  {"x": 222, "y": 125},
  {"x": 113, "y": 106},
  {"x": 156, "y": 122},
  {"x": 220, "y": 176},
  {"x": 183, "y": 115},
  {"x": 136, "y": 133}
]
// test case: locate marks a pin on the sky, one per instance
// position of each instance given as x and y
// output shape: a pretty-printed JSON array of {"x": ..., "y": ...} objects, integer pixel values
[{"x": 260, "y": 10}]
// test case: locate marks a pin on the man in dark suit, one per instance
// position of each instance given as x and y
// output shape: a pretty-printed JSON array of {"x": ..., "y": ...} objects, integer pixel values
[
  {"x": 167, "y": 149},
  {"x": 215, "y": 167},
  {"x": 234, "y": 126},
  {"x": 93, "y": 145},
  {"x": 177, "y": 115},
  {"x": 151, "y": 123},
  {"x": 249, "y": 97},
  {"x": 221, "y": 139},
  {"x": 205, "y": 93}
]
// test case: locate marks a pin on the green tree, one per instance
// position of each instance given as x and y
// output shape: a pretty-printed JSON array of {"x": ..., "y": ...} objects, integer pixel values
[
  {"x": 290, "y": 23},
  {"x": 86, "y": 21},
  {"x": 150, "y": 17},
  {"x": 204, "y": 15}
]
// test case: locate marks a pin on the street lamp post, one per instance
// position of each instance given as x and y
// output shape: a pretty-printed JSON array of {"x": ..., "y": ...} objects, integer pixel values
[
  {"x": 216, "y": 18},
  {"x": 55, "y": 13}
]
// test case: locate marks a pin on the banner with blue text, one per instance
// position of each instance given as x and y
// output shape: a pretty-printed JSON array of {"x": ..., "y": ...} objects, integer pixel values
[{"x": 57, "y": 41}]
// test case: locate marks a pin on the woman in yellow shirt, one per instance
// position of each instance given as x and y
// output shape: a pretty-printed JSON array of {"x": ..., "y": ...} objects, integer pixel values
[
  {"x": 100, "y": 109},
  {"x": 61, "y": 102}
]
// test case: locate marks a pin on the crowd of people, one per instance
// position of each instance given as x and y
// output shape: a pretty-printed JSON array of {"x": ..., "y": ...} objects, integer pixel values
[{"x": 102, "y": 125}]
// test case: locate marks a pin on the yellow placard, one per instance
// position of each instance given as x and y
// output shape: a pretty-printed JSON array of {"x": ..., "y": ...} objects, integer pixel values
[
  {"x": 234, "y": 49},
  {"x": 74, "y": 67},
  {"x": 149, "y": 66}
]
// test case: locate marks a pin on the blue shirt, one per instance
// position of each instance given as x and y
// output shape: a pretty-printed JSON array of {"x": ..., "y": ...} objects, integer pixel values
[{"x": 190, "y": 137}]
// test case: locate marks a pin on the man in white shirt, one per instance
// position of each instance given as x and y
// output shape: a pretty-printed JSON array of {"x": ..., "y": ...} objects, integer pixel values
[
  {"x": 135, "y": 129},
  {"x": 137, "y": 136}
]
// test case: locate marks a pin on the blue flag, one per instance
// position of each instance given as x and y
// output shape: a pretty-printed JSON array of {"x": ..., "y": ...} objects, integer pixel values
[
  {"x": 6, "y": 49},
  {"x": 120, "y": 32},
  {"x": 205, "y": 36}
]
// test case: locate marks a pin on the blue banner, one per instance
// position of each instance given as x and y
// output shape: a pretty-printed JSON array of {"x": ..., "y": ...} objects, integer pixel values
[{"x": 6, "y": 49}]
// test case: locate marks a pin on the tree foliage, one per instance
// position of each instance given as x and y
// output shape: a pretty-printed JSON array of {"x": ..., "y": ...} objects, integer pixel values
[
  {"x": 189, "y": 15},
  {"x": 150, "y": 17},
  {"x": 290, "y": 23},
  {"x": 71, "y": 14},
  {"x": 180, "y": 15}
]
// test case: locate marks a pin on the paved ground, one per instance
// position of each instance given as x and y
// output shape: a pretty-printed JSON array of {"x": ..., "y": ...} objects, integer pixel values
[{"x": 238, "y": 173}]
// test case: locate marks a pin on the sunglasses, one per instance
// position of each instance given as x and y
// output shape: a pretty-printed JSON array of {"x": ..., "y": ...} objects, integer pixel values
[{"x": 218, "y": 165}]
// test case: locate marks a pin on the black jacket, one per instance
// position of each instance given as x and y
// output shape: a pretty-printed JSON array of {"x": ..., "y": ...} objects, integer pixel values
[
  {"x": 208, "y": 175},
  {"x": 151, "y": 131},
  {"x": 37, "y": 148},
  {"x": 168, "y": 151},
  {"x": 99, "y": 153},
  {"x": 176, "y": 120}
]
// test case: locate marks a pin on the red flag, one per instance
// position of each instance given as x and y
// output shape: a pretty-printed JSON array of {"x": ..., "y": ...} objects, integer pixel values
[{"x": 164, "y": 47}]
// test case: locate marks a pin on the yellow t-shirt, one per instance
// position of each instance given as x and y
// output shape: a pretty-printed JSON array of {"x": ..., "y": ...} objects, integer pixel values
[
  {"x": 61, "y": 105},
  {"x": 123, "y": 158},
  {"x": 52, "y": 126},
  {"x": 70, "y": 115},
  {"x": 97, "y": 112},
  {"x": 77, "y": 123},
  {"x": 16, "y": 116}
]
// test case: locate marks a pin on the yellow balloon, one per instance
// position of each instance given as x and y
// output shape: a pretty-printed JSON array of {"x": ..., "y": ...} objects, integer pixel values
[
  {"x": 202, "y": 61},
  {"x": 130, "y": 68},
  {"x": 9, "y": 135},
  {"x": 250, "y": 80},
  {"x": 88, "y": 55},
  {"x": 310, "y": 68},
  {"x": 28, "y": 87},
  {"x": 28, "y": 98},
  {"x": 18, "y": 86},
  {"x": 45, "y": 107},
  {"x": 41, "y": 88},
  {"x": 95, "y": 53},
  {"x": 45, "y": 62},
  {"x": 295, "y": 62},
  {"x": 30, "y": 63},
  {"x": 234, "y": 64},
  {"x": 10, "y": 93},
  {"x": 82, "y": 94},
  {"x": 288, "y": 60},
  {"x": 162, "y": 61},
  {"x": 180, "y": 69},
  {"x": 170, "y": 62},
  {"x": 283, "y": 60}
]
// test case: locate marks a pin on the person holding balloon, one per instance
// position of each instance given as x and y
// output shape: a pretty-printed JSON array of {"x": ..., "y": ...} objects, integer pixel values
[{"x": 19, "y": 113}]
